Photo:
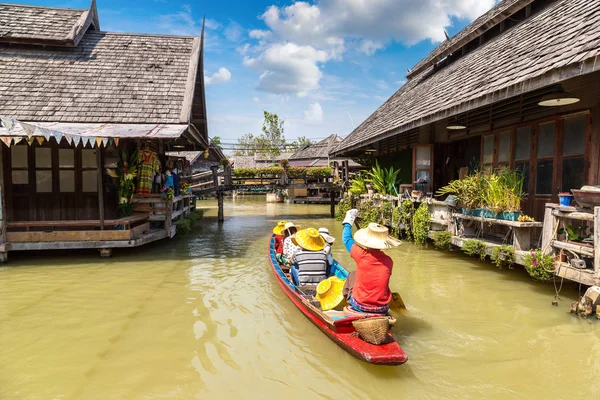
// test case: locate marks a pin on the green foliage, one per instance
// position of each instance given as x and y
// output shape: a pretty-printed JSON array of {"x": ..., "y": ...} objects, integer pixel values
[
  {"x": 358, "y": 185},
  {"x": 539, "y": 266},
  {"x": 183, "y": 226},
  {"x": 386, "y": 210},
  {"x": 244, "y": 172},
  {"x": 503, "y": 255},
  {"x": 268, "y": 143},
  {"x": 309, "y": 172},
  {"x": 499, "y": 191},
  {"x": 217, "y": 141},
  {"x": 576, "y": 233},
  {"x": 273, "y": 171},
  {"x": 403, "y": 215},
  {"x": 343, "y": 207},
  {"x": 383, "y": 179},
  {"x": 421, "y": 224},
  {"x": 469, "y": 190},
  {"x": 196, "y": 215},
  {"x": 442, "y": 239},
  {"x": 299, "y": 143},
  {"x": 367, "y": 212},
  {"x": 125, "y": 175},
  {"x": 473, "y": 247}
]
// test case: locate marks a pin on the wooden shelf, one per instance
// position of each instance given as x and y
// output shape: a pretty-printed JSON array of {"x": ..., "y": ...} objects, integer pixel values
[
  {"x": 587, "y": 251},
  {"x": 494, "y": 221},
  {"x": 439, "y": 221},
  {"x": 585, "y": 276}
]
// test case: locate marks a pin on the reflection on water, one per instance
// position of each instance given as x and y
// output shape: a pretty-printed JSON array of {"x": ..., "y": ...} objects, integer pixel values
[{"x": 202, "y": 316}]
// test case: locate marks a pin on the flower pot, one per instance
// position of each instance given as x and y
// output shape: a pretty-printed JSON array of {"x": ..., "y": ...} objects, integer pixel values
[
  {"x": 509, "y": 215},
  {"x": 565, "y": 199},
  {"x": 485, "y": 213}
]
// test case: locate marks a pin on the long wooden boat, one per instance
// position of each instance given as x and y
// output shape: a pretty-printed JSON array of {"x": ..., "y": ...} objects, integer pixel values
[{"x": 335, "y": 325}]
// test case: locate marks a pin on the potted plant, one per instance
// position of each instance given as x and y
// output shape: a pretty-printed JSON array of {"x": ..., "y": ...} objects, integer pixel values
[
  {"x": 125, "y": 175},
  {"x": 565, "y": 198},
  {"x": 512, "y": 181}
]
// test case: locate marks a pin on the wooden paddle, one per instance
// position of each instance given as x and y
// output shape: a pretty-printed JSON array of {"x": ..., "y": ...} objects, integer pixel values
[{"x": 397, "y": 303}]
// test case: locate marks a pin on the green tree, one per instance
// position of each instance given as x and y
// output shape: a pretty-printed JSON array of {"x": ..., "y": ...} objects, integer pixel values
[
  {"x": 269, "y": 143},
  {"x": 217, "y": 142},
  {"x": 299, "y": 143},
  {"x": 246, "y": 145}
]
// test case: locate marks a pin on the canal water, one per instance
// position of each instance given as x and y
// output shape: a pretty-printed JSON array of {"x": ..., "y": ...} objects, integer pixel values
[{"x": 202, "y": 317}]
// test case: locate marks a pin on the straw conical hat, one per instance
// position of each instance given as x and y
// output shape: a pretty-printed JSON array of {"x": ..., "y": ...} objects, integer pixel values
[
  {"x": 310, "y": 239},
  {"x": 375, "y": 236},
  {"x": 330, "y": 292},
  {"x": 279, "y": 228}
]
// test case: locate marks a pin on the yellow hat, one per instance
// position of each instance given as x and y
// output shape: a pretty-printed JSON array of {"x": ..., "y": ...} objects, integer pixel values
[
  {"x": 310, "y": 239},
  {"x": 330, "y": 292},
  {"x": 375, "y": 236},
  {"x": 279, "y": 228}
]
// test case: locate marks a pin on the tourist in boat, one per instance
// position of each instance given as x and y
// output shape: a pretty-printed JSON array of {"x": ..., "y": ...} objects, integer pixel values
[
  {"x": 309, "y": 265},
  {"x": 324, "y": 232},
  {"x": 371, "y": 292},
  {"x": 289, "y": 247},
  {"x": 278, "y": 234}
]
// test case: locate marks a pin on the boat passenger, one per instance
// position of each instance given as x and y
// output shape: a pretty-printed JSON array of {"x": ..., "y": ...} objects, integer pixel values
[
  {"x": 328, "y": 243},
  {"x": 278, "y": 234},
  {"x": 289, "y": 247},
  {"x": 371, "y": 292},
  {"x": 309, "y": 265}
]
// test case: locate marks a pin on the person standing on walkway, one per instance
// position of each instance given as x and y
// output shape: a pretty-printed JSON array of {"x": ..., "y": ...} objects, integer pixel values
[{"x": 371, "y": 291}]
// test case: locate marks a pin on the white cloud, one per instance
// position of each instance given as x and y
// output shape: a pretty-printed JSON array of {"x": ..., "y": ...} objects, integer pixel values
[
  {"x": 329, "y": 24},
  {"x": 234, "y": 31},
  {"x": 256, "y": 100},
  {"x": 243, "y": 49},
  {"x": 288, "y": 68},
  {"x": 221, "y": 76},
  {"x": 314, "y": 114}
]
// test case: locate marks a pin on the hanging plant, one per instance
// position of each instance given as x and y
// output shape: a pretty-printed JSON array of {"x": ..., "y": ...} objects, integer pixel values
[
  {"x": 540, "y": 266},
  {"x": 343, "y": 207},
  {"x": 368, "y": 213},
  {"x": 421, "y": 223},
  {"x": 503, "y": 255},
  {"x": 474, "y": 247},
  {"x": 125, "y": 175},
  {"x": 442, "y": 239},
  {"x": 387, "y": 209}
]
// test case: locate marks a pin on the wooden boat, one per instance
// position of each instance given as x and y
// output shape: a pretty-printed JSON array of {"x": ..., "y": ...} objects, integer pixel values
[{"x": 335, "y": 325}]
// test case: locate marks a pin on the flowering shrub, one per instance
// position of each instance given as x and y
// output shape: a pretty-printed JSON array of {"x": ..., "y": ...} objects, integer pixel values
[
  {"x": 540, "y": 266},
  {"x": 309, "y": 172},
  {"x": 273, "y": 171}
]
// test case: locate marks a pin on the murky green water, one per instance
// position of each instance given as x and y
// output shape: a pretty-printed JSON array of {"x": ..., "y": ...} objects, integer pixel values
[{"x": 202, "y": 317}]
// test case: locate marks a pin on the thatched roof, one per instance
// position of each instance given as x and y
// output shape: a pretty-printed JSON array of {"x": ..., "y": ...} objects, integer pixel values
[
  {"x": 116, "y": 79},
  {"x": 45, "y": 25},
  {"x": 257, "y": 160},
  {"x": 559, "y": 42}
]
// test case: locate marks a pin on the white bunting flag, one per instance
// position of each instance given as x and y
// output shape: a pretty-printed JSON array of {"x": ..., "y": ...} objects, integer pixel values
[
  {"x": 7, "y": 140},
  {"x": 69, "y": 139},
  {"x": 76, "y": 140},
  {"x": 57, "y": 135},
  {"x": 28, "y": 128},
  {"x": 46, "y": 133},
  {"x": 8, "y": 123},
  {"x": 104, "y": 142},
  {"x": 17, "y": 139},
  {"x": 85, "y": 140}
]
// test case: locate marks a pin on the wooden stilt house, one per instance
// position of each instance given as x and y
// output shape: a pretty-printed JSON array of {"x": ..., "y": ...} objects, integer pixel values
[
  {"x": 72, "y": 99},
  {"x": 518, "y": 87}
]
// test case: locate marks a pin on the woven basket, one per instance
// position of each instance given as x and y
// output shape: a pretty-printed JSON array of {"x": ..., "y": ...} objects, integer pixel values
[{"x": 373, "y": 330}]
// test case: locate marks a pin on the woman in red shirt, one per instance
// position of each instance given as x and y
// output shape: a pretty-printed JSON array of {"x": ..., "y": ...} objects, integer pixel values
[
  {"x": 278, "y": 232},
  {"x": 371, "y": 292}
]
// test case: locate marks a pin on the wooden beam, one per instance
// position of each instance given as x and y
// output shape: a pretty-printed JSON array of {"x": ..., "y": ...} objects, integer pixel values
[
  {"x": 100, "y": 187},
  {"x": 332, "y": 204},
  {"x": 2, "y": 207},
  {"x": 597, "y": 242}
]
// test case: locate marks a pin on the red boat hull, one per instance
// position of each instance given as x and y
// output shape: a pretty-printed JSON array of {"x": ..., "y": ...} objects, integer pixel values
[{"x": 386, "y": 354}]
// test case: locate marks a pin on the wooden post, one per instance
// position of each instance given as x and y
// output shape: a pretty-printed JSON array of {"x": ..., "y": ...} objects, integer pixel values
[
  {"x": 215, "y": 169},
  {"x": 521, "y": 239},
  {"x": 597, "y": 242},
  {"x": 3, "y": 252},
  {"x": 548, "y": 229},
  {"x": 100, "y": 187},
  {"x": 345, "y": 171},
  {"x": 169, "y": 216},
  {"x": 332, "y": 204},
  {"x": 228, "y": 180},
  {"x": 220, "y": 205}
]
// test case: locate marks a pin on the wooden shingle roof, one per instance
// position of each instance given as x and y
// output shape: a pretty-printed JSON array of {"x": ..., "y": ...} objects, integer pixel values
[
  {"x": 108, "y": 77},
  {"x": 45, "y": 25},
  {"x": 317, "y": 150},
  {"x": 560, "y": 42}
]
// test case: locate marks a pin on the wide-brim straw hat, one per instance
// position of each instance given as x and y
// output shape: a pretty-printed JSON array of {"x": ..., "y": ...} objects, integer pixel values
[
  {"x": 375, "y": 236},
  {"x": 325, "y": 233},
  {"x": 310, "y": 239},
  {"x": 279, "y": 228},
  {"x": 330, "y": 292},
  {"x": 289, "y": 225}
]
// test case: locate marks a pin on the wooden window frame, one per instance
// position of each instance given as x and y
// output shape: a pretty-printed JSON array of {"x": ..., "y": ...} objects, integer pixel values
[{"x": 430, "y": 169}]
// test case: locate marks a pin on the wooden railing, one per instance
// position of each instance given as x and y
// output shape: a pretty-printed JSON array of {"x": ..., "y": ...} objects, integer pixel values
[{"x": 159, "y": 209}]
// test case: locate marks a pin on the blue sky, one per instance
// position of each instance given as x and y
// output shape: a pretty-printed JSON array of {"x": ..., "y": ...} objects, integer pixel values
[{"x": 322, "y": 65}]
